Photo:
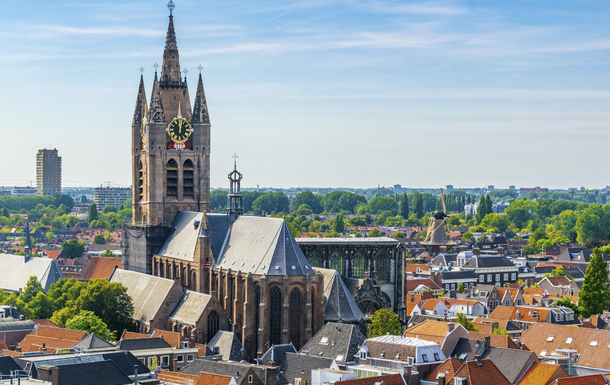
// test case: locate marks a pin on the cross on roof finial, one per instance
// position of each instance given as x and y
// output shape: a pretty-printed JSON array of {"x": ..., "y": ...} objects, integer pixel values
[
  {"x": 171, "y": 6},
  {"x": 185, "y": 71},
  {"x": 156, "y": 66},
  {"x": 200, "y": 68},
  {"x": 235, "y": 160},
  {"x": 142, "y": 71}
]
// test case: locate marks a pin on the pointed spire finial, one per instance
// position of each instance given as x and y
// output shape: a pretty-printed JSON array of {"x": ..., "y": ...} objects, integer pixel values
[
  {"x": 179, "y": 112},
  {"x": 200, "y": 68},
  {"x": 235, "y": 160},
  {"x": 142, "y": 71},
  {"x": 171, "y": 6},
  {"x": 156, "y": 66},
  {"x": 185, "y": 71}
]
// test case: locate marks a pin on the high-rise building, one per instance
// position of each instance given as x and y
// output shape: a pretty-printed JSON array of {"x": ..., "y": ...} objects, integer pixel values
[
  {"x": 48, "y": 172},
  {"x": 111, "y": 196}
]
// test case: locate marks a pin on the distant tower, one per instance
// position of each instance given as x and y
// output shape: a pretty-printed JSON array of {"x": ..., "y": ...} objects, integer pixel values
[
  {"x": 48, "y": 172},
  {"x": 234, "y": 199}
]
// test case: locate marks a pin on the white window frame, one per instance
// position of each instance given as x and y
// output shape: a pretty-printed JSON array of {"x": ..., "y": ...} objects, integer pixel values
[
  {"x": 513, "y": 276},
  {"x": 180, "y": 358},
  {"x": 250, "y": 379},
  {"x": 498, "y": 277},
  {"x": 190, "y": 357},
  {"x": 166, "y": 363},
  {"x": 506, "y": 276},
  {"x": 482, "y": 278},
  {"x": 490, "y": 277}
]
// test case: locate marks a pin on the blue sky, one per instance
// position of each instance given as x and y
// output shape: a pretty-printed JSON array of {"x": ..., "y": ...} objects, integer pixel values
[{"x": 321, "y": 93}]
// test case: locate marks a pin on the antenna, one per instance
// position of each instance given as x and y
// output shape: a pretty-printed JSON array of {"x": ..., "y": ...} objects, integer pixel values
[{"x": 108, "y": 183}]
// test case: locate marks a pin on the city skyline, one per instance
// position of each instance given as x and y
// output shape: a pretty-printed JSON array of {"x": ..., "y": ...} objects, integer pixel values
[{"x": 338, "y": 94}]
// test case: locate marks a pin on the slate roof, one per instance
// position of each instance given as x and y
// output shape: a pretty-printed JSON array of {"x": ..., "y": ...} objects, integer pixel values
[
  {"x": 224, "y": 368},
  {"x": 7, "y": 364},
  {"x": 202, "y": 379},
  {"x": 396, "y": 348},
  {"x": 270, "y": 240},
  {"x": 172, "y": 338},
  {"x": 98, "y": 373},
  {"x": 461, "y": 274},
  {"x": 510, "y": 361},
  {"x": 485, "y": 262},
  {"x": 190, "y": 307},
  {"x": 228, "y": 345},
  {"x": 182, "y": 240},
  {"x": 148, "y": 292},
  {"x": 17, "y": 269},
  {"x": 11, "y": 325},
  {"x": 126, "y": 362},
  {"x": 218, "y": 226},
  {"x": 277, "y": 354},
  {"x": 92, "y": 341},
  {"x": 143, "y": 344},
  {"x": 340, "y": 304},
  {"x": 99, "y": 268},
  {"x": 295, "y": 363},
  {"x": 342, "y": 342}
]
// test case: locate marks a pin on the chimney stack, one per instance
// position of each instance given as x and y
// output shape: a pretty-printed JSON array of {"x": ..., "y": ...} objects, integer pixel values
[
  {"x": 477, "y": 359},
  {"x": 303, "y": 378},
  {"x": 476, "y": 251},
  {"x": 450, "y": 326},
  {"x": 441, "y": 378},
  {"x": 487, "y": 341}
]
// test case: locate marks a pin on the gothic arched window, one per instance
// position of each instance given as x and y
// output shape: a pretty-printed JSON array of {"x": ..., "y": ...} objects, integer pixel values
[
  {"x": 275, "y": 316},
  {"x": 296, "y": 306},
  {"x": 359, "y": 266},
  {"x": 315, "y": 260},
  {"x": 213, "y": 324},
  {"x": 187, "y": 179},
  {"x": 172, "y": 178},
  {"x": 257, "y": 305},
  {"x": 336, "y": 262},
  {"x": 383, "y": 267}
]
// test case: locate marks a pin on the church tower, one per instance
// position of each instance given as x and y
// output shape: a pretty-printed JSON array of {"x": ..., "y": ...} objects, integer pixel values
[{"x": 170, "y": 154}]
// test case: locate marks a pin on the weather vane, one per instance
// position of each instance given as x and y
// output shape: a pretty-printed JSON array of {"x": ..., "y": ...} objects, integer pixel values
[
  {"x": 156, "y": 66},
  {"x": 200, "y": 68},
  {"x": 171, "y": 6},
  {"x": 142, "y": 70},
  {"x": 235, "y": 160}
]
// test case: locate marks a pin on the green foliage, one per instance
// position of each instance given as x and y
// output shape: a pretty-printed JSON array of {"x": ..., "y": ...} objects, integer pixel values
[
  {"x": 375, "y": 233},
  {"x": 73, "y": 248},
  {"x": 271, "y": 203},
  {"x": 463, "y": 320},
  {"x": 40, "y": 307},
  {"x": 500, "y": 331},
  {"x": 339, "y": 201},
  {"x": 109, "y": 209},
  {"x": 356, "y": 221},
  {"x": 339, "y": 226},
  {"x": 567, "y": 302},
  {"x": 32, "y": 288},
  {"x": 17, "y": 204},
  {"x": 403, "y": 206},
  {"x": 92, "y": 324},
  {"x": 594, "y": 295},
  {"x": 218, "y": 201},
  {"x": 381, "y": 203},
  {"x": 468, "y": 236},
  {"x": 418, "y": 205},
  {"x": 294, "y": 230},
  {"x": 460, "y": 287},
  {"x": 558, "y": 272},
  {"x": 398, "y": 235},
  {"x": 108, "y": 254},
  {"x": 384, "y": 321},
  {"x": 99, "y": 239},
  {"x": 93, "y": 214},
  {"x": 313, "y": 201}
]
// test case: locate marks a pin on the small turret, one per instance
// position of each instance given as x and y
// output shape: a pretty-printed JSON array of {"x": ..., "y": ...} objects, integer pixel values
[
  {"x": 200, "y": 110},
  {"x": 156, "y": 106},
  {"x": 141, "y": 110}
]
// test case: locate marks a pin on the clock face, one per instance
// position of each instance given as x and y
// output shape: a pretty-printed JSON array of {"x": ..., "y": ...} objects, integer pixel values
[{"x": 179, "y": 130}]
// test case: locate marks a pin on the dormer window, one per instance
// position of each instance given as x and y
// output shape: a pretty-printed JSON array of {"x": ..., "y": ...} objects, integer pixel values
[{"x": 424, "y": 357}]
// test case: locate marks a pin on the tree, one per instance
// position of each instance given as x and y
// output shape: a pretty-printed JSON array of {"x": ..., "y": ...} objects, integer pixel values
[
  {"x": 418, "y": 205},
  {"x": 109, "y": 301},
  {"x": 374, "y": 233},
  {"x": 398, "y": 235},
  {"x": 307, "y": 198},
  {"x": 50, "y": 236},
  {"x": 468, "y": 236},
  {"x": 108, "y": 254},
  {"x": 339, "y": 226},
  {"x": 567, "y": 302},
  {"x": 594, "y": 295},
  {"x": 294, "y": 230},
  {"x": 99, "y": 239},
  {"x": 93, "y": 215},
  {"x": 403, "y": 206},
  {"x": 40, "y": 307},
  {"x": 92, "y": 324},
  {"x": 558, "y": 272},
  {"x": 381, "y": 203},
  {"x": 384, "y": 321},
  {"x": 271, "y": 203},
  {"x": 32, "y": 288},
  {"x": 463, "y": 320},
  {"x": 73, "y": 248},
  {"x": 460, "y": 287},
  {"x": 500, "y": 331}
]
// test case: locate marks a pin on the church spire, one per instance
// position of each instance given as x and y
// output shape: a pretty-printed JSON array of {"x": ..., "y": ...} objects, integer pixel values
[
  {"x": 171, "y": 62},
  {"x": 234, "y": 198},
  {"x": 156, "y": 106},
  {"x": 141, "y": 109},
  {"x": 200, "y": 110}
]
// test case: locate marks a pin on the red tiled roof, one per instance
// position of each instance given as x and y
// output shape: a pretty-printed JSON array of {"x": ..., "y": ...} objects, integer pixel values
[
  {"x": 53, "y": 254},
  {"x": 497, "y": 341},
  {"x": 593, "y": 379},
  {"x": 483, "y": 372},
  {"x": 559, "y": 281},
  {"x": 412, "y": 284},
  {"x": 59, "y": 333},
  {"x": 172, "y": 338},
  {"x": 450, "y": 366},
  {"x": 542, "y": 374},
  {"x": 6, "y": 352},
  {"x": 100, "y": 268},
  {"x": 133, "y": 335},
  {"x": 434, "y": 331},
  {"x": 32, "y": 343},
  {"x": 45, "y": 322},
  {"x": 388, "y": 379}
]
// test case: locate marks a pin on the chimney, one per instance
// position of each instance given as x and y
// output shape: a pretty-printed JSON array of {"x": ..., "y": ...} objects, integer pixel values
[
  {"x": 174, "y": 365},
  {"x": 441, "y": 378},
  {"x": 500, "y": 250},
  {"x": 476, "y": 251},
  {"x": 271, "y": 364},
  {"x": 44, "y": 348},
  {"x": 135, "y": 374},
  {"x": 303, "y": 378},
  {"x": 563, "y": 247},
  {"x": 48, "y": 373},
  {"x": 450, "y": 326},
  {"x": 487, "y": 341},
  {"x": 477, "y": 359}
]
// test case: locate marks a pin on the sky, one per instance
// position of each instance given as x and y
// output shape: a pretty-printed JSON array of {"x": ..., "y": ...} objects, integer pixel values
[{"x": 320, "y": 93}]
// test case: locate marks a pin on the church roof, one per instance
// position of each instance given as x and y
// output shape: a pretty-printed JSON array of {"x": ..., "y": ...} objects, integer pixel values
[
  {"x": 182, "y": 240},
  {"x": 190, "y": 307},
  {"x": 218, "y": 225},
  {"x": 261, "y": 245},
  {"x": 17, "y": 270},
  {"x": 340, "y": 304}
]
